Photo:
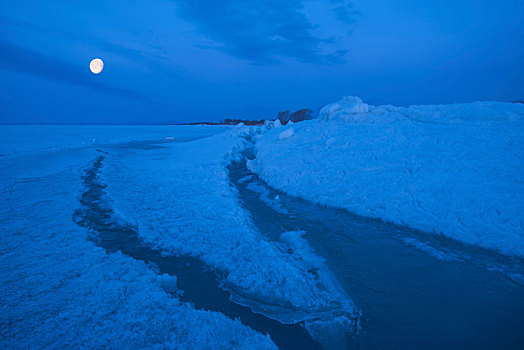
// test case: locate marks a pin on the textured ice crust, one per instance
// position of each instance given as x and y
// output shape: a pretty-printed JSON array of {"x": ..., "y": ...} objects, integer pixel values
[
  {"x": 452, "y": 169},
  {"x": 182, "y": 202},
  {"x": 341, "y": 314},
  {"x": 58, "y": 290}
]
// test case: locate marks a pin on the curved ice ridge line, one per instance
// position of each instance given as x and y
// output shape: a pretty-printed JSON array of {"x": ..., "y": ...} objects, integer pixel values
[
  {"x": 344, "y": 312},
  {"x": 113, "y": 234},
  {"x": 452, "y": 251},
  {"x": 512, "y": 272}
]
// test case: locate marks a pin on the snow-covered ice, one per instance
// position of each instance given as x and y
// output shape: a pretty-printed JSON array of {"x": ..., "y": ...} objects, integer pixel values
[
  {"x": 454, "y": 169},
  {"x": 18, "y": 139},
  {"x": 451, "y": 169},
  {"x": 58, "y": 289},
  {"x": 181, "y": 200},
  {"x": 286, "y": 134}
]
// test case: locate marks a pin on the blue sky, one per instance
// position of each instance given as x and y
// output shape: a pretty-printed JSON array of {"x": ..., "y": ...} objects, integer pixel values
[{"x": 174, "y": 61}]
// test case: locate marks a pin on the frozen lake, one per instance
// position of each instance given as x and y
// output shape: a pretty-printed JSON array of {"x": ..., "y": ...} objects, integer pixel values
[{"x": 162, "y": 232}]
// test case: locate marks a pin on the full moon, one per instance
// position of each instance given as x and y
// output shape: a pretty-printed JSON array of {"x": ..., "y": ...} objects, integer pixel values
[{"x": 96, "y": 65}]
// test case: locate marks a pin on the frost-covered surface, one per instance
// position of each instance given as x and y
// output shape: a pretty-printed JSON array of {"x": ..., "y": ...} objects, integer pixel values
[
  {"x": 452, "y": 169},
  {"x": 57, "y": 289},
  {"x": 18, "y": 139},
  {"x": 181, "y": 200}
]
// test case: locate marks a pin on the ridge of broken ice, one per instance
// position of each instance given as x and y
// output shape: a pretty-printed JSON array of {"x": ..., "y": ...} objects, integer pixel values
[{"x": 452, "y": 169}]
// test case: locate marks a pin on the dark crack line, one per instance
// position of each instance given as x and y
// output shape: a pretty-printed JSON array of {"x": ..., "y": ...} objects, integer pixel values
[{"x": 200, "y": 285}]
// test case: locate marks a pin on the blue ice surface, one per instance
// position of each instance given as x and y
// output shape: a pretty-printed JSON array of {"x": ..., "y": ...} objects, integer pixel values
[
  {"x": 58, "y": 288},
  {"x": 62, "y": 290}
]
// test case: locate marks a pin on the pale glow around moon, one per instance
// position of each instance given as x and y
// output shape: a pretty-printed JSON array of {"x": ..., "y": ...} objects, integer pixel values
[{"x": 96, "y": 65}]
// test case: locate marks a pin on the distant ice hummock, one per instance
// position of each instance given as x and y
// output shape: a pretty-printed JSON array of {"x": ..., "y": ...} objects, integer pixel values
[{"x": 453, "y": 169}]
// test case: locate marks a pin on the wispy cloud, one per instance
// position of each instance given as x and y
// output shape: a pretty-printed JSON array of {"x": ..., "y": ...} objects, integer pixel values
[
  {"x": 20, "y": 59},
  {"x": 101, "y": 44},
  {"x": 152, "y": 57},
  {"x": 345, "y": 11},
  {"x": 260, "y": 31}
]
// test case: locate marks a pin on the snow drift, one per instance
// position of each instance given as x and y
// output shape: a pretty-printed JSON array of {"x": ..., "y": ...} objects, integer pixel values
[{"x": 452, "y": 169}]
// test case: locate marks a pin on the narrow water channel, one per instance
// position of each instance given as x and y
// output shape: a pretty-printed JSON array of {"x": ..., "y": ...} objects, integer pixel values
[
  {"x": 415, "y": 290},
  {"x": 199, "y": 284}
]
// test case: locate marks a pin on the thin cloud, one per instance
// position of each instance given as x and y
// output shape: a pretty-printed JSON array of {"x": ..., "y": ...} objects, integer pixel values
[
  {"x": 346, "y": 13},
  {"x": 101, "y": 44},
  {"x": 260, "y": 31},
  {"x": 19, "y": 59},
  {"x": 152, "y": 58}
]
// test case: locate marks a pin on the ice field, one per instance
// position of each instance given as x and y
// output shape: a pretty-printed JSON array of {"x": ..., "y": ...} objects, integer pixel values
[{"x": 368, "y": 227}]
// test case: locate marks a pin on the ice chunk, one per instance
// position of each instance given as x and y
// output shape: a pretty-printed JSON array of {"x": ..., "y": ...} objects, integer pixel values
[
  {"x": 344, "y": 108},
  {"x": 168, "y": 283},
  {"x": 286, "y": 134}
]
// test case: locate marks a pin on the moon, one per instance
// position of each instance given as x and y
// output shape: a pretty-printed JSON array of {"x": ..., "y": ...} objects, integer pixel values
[{"x": 96, "y": 65}]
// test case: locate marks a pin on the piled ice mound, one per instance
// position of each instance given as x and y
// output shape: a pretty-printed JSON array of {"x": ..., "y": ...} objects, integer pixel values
[
  {"x": 452, "y": 169},
  {"x": 468, "y": 113},
  {"x": 352, "y": 109},
  {"x": 345, "y": 109}
]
